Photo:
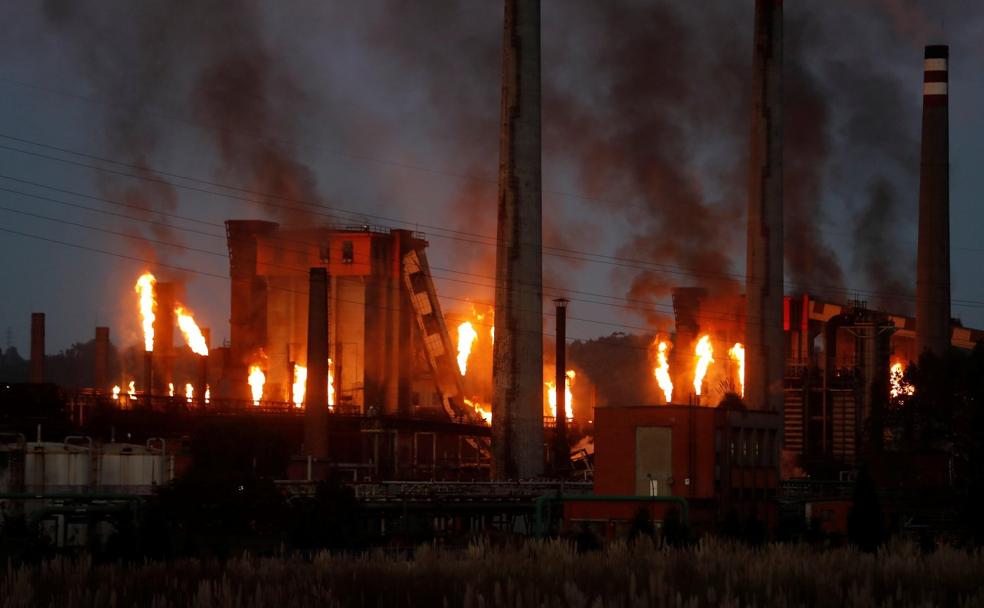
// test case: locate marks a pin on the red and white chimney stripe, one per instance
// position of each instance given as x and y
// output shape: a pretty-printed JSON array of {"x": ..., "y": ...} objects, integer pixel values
[{"x": 936, "y": 76}]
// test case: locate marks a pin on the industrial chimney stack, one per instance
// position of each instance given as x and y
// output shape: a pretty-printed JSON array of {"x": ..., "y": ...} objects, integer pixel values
[
  {"x": 933, "y": 257},
  {"x": 316, "y": 387},
  {"x": 764, "y": 269},
  {"x": 37, "y": 348},
  {"x": 517, "y": 372}
]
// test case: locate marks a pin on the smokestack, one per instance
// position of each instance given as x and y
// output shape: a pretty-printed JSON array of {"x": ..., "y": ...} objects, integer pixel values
[
  {"x": 316, "y": 387},
  {"x": 37, "y": 347},
  {"x": 764, "y": 268},
  {"x": 517, "y": 371},
  {"x": 933, "y": 257},
  {"x": 164, "y": 322},
  {"x": 562, "y": 450},
  {"x": 148, "y": 376},
  {"x": 102, "y": 359}
]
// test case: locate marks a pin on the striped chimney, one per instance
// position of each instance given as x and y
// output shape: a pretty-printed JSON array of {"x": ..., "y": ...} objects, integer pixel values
[{"x": 933, "y": 256}]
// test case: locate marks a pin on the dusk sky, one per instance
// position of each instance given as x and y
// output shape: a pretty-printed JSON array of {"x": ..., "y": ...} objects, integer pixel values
[{"x": 129, "y": 131}]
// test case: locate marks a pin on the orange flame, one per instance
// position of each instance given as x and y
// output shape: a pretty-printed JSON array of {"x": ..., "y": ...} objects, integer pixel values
[
  {"x": 208, "y": 393},
  {"x": 704, "y": 352},
  {"x": 145, "y": 289},
  {"x": 132, "y": 392},
  {"x": 568, "y": 397},
  {"x": 737, "y": 354},
  {"x": 466, "y": 338},
  {"x": 331, "y": 384},
  {"x": 189, "y": 392},
  {"x": 482, "y": 409},
  {"x": 662, "y": 370},
  {"x": 192, "y": 333},
  {"x": 256, "y": 381},
  {"x": 116, "y": 392},
  {"x": 897, "y": 384},
  {"x": 300, "y": 384},
  {"x": 170, "y": 389}
]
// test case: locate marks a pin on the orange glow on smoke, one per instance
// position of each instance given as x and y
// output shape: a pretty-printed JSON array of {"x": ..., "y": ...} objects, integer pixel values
[
  {"x": 704, "y": 353},
  {"x": 300, "y": 384},
  {"x": 192, "y": 334},
  {"x": 145, "y": 291},
  {"x": 896, "y": 379},
  {"x": 737, "y": 354},
  {"x": 466, "y": 338},
  {"x": 189, "y": 392},
  {"x": 569, "y": 398},
  {"x": 256, "y": 381},
  {"x": 662, "y": 370}
]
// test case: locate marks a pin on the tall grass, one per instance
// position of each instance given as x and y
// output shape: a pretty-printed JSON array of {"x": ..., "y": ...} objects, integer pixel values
[{"x": 528, "y": 574}]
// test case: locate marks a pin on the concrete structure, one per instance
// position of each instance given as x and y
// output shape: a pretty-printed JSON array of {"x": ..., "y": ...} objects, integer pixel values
[
  {"x": 387, "y": 340},
  {"x": 764, "y": 268},
  {"x": 37, "y": 348},
  {"x": 316, "y": 389},
  {"x": 101, "y": 368},
  {"x": 727, "y": 457},
  {"x": 517, "y": 401},
  {"x": 933, "y": 259}
]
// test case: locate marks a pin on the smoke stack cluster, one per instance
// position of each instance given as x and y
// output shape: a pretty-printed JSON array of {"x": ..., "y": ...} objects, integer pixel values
[
  {"x": 37, "y": 347},
  {"x": 764, "y": 269},
  {"x": 517, "y": 371},
  {"x": 933, "y": 255}
]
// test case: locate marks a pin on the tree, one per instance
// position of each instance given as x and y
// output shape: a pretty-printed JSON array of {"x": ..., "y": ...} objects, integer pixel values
[{"x": 865, "y": 525}]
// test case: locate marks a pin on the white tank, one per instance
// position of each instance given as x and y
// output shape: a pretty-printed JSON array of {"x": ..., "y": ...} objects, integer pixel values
[
  {"x": 57, "y": 467},
  {"x": 129, "y": 468}
]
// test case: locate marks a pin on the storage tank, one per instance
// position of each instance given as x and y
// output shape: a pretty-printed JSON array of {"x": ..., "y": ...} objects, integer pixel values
[
  {"x": 57, "y": 467},
  {"x": 126, "y": 468}
]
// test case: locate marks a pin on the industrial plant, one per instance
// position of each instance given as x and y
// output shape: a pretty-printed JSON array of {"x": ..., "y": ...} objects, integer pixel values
[{"x": 343, "y": 365}]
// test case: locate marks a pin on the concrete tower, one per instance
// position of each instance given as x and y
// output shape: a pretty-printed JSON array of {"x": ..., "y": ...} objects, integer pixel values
[
  {"x": 763, "y": 315},
  {"x": 517, "y": 372},
  {"x": 933, "y": 257}
]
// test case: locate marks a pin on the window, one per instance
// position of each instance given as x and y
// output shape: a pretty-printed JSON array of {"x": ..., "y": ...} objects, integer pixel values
[{"x": 348, "y": 252}]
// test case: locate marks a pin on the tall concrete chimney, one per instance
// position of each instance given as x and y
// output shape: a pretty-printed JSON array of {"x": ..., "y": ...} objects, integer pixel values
[
  {"x": 517, "y": 369},
  {"x": 764, "y": 279},
  {"x": 316, "y": 387},
  {"x": 101, "y": 371},
  {"x": 933, "y": 257},
  {"x": 37, "y": 347}
]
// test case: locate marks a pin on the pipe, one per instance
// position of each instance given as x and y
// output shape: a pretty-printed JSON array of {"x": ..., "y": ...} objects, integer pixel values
[
  {"x": 517, "y": 369},
  {"x": 933, "y": 254}
]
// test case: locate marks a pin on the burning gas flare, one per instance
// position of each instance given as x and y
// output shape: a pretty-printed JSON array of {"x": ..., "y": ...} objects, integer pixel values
[
  {"x": 704, "y": 353},
  {"x": 132, "y": 392},
  {"x": 145, "y": 289},
  {"x": 482, "y": 409},
  {"x": 300, "y": 383},
  {"x": 116, "y": 392},
  {"x": 208, "y": 394},
  {"x": 896, "y": 378},
  {"x": 568, "y": 397},
  {"x": 466, "y": 338},
  {"x": 331, "y": 384},
  {"x": 192, "y": 334},
  {"x": 189, "y": 392},
  {"x": 737, "y": 354},
  {"x": 662, "y": 370},
  {"x": 256, "y": 381},
  {"x": 170, "y": 389}
]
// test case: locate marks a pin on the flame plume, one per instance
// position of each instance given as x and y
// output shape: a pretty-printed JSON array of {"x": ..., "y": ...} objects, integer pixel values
[
  {"x": 704, "y": 352},
  {"x": 116, "y": 392},
  {"x": 482, "y": 409},
  {"x": 145, "y": 289},
  {"x": 192, "y": 333},
  {"x": 132, "y": 390},
  {"x": 662, "y": 370},
  {"x": 737, "y": 354},
  {"x": 331, "y": 384},
  {"x": 256, "y": 381},
  {"x": 466, "y": 338},
  {"x": 896, "y": 379},
  {"x": 170, "y": 389},
  {"x": 552, "y": 395},
  {"x": 300, "y": 384},
  {"x": 189, "y": 392},
  {"x": 208, "y": 394}
]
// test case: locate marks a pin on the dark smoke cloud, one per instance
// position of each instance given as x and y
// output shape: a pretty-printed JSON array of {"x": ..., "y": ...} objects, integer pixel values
[
  {"x": 880, "y": 257},
  {"x": 208, "y": 55}
]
